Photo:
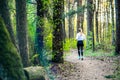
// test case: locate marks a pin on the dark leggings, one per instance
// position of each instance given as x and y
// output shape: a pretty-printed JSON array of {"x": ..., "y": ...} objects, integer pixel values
[{"x": 80, "y": 47}]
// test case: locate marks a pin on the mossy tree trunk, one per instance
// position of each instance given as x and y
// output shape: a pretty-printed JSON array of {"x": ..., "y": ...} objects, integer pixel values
[
  {"x": 21, "y": 20},
  {"x": 10, "y": 63},
  {"x": 5, "y": 14},
  {"x": 117, "y": 50},
  {"x": 39, "y": 32},
  {"x": 57, "y": 45}
]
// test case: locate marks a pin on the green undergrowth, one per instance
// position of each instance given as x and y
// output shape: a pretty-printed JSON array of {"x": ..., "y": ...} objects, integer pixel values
[
  {"x": 69, "y": 43},
  {"x": 116, "y": 75},
  {"x": 98, "y": 53},
  {"x": 117, "y": 71}
]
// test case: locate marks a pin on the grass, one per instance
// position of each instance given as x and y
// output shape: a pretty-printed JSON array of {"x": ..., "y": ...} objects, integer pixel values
[
  {"x": 94, "y": 54},
  {"x": 98, "y": 53}
]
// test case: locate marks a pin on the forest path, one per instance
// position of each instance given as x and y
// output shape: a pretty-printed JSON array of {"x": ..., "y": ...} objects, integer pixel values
[{"x": 91, "y": 68}]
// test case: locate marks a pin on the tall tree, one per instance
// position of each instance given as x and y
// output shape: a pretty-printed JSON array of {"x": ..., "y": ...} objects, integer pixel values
[
  {"x": 5, "y": 14},
  {"x": 70, "y": 24},
  {"x": 117, "y": 49},
  {"x": 80, "y": 15},
  {"x": 21, "y": 25},
  {"x": 10, "y": 62},
  {"x": 90, "y": 22},
  {"x": 96, "y": 19},
  {"x": 89, "y": 15},
  {"x": 57, "y": 45},
  {"x": 63, "y": 28},
  {"x": 39, "y": 30},
  {"x": 113, "y": 28}
]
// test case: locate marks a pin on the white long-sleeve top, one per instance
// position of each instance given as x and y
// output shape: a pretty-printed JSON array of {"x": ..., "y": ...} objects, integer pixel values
[{"x": 80, "y": 37}]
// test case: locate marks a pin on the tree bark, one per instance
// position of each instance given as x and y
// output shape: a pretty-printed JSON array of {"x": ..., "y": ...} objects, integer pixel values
[
  {"x": 70, "y": 24},
  {"x": 63, "y": 27},
  {"x": 5, "y": 14},
  {"x": 96, "y": 17},
  {"x": 89, "y": 15},
  {"x": 80, "y": 15},
  {"x": 100, "y": 24},
  {"x": 39, "y": 31},
  {"x": 57, "y": 45},
  {"x": 90, "y": 22},
  {"x": 117, "y": 49},
  {"x": 21, "y": 25},
  {"x": 113, "y": 28},
  {"x": 10, "y": 62}
]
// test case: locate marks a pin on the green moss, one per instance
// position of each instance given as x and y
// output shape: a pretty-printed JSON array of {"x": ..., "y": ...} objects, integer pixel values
[{"x": 10, "y": 63}]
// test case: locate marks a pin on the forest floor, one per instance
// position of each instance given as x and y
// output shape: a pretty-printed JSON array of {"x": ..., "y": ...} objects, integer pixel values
[{"x": 91, "y": 68}]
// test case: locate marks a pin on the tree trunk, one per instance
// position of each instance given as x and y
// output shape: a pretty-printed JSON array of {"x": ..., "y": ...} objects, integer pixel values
[
  {"x": 107, "y": 28},
  {"x": 21, "y": 20},
  {"x": 39, "y": 31},
  {"x": 80, "y": 15},
  {"x": 113, "y": 28},
  {"x": 96, "y": 17},
  {"x": 67, "y": 19},
  {"x": 89, "y": 15},
  {"x": 10, "y": 63},
  {"x": 5, "y": 14},
  {"x": 70, "y": 24},
  {"x": 63, "y": 28},
  {"x": 100, "y": 24},
  {"x": 117, "y": 49},
  {"x": 93, "y": 28},
  {"x": 57, "y": 45},
  {"x": 89, "y": 21}
]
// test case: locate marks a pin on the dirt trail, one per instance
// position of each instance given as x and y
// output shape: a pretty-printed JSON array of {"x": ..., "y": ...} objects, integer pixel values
[{"x": 91, "y": 68}]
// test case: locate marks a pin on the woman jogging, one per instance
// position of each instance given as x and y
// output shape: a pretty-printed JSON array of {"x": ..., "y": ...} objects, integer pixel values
[{"x": 80, "y": 37}]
